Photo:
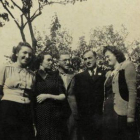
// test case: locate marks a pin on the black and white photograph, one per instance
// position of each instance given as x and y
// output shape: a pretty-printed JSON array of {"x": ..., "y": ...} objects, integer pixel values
[{"x": 69, "y": 69}]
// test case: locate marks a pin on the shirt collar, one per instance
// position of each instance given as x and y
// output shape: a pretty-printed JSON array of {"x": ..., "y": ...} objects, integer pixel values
[
  {"x": 95, "y": 70},
  {"x": 62, "y": 72},
  {"x": 19, "y": 69}
]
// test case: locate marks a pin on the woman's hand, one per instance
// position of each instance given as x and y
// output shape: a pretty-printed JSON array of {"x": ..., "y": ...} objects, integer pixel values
[
  {"x": 130, "y": 120},
  {"x": 35, "y": 130},
  {"x": 131, "y": 125},
  {"x": 42, "y": 97}
]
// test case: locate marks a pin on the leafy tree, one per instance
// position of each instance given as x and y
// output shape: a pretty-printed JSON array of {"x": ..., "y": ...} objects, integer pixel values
[
  {"x": 101, "y": 37},
  {"x": 58, "y": 40},
  {"x": 82, "y": 44},
  {"x": 108, "y": 36},
  {"x": 5, "y": 17},
  {"x": 27, "y": 15}
]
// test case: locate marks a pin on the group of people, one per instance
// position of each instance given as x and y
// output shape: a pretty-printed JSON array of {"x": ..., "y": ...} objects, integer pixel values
[{"x": 65, "y": 105}]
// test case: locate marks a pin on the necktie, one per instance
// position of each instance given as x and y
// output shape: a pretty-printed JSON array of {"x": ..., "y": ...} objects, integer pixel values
[{"x": 93, "y": 72}]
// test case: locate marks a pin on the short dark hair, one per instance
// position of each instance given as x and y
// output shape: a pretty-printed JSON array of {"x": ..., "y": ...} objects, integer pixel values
[
  {"x": 18, "y": 48},
  {"x": 63, "y": 52},
  {"x": 40, "y": 57},
  {"x": 94, "y": 53},
  {"x": 117, "y": 52}
]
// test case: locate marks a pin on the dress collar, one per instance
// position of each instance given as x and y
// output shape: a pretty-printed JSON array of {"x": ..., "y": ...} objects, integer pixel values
[
  {"x": 42, "y": 73},
  {"x": 19, "y": 69}
]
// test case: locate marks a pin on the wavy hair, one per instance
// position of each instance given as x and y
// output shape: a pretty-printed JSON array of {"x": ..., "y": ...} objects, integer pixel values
[
  {"x": 117, "y": 52},
  {"x": 18, "y": 48}
]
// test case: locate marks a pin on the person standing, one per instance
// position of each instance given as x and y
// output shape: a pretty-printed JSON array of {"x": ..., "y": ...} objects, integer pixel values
[
  {"x": 16, "y": 87},
  {"x": 120, "y": 100},
  {"x": 67, "y": 75},
  {"x": 89, "y": 91},
  {"x": 50, "y": 97}
]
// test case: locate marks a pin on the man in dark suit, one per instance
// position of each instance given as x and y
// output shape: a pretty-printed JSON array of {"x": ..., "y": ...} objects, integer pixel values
[{"x": 89, "y": 91}]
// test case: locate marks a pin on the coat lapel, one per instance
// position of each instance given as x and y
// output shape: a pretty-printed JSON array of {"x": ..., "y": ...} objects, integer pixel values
[
  {"x": 116, "y": 72},
  {"x": 71, "y": 77},
  {"x": 97, "y": 75},
  {"x": 94, "y": 77}
]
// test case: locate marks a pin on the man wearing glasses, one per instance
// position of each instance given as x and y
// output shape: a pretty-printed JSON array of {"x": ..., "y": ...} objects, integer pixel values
[{"x": 67, "y": 74}]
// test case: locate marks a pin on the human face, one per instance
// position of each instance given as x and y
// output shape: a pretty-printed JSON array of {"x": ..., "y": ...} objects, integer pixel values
[
  {"x": 89, "y": 60},
  {"x": 110, "y": 58},
  {"x": 64, "y": 61},
  {"x": 24, "y": 56},
  {"x": 47, "y": 62}
]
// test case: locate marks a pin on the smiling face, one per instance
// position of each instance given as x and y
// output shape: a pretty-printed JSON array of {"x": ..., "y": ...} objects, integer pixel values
[
  {"x": 110, "y": 58},
  {"x": 64, "y": 61},
  {"x": 47, "y": 62},
  {"x": 89, "y": 59},
  {"x": 24, "y": 56}
]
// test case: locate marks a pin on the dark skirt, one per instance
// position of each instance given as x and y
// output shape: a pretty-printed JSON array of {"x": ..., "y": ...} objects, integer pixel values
[
  {"x": 15, "y": 121},
  {"x": 114, "y": 125}
]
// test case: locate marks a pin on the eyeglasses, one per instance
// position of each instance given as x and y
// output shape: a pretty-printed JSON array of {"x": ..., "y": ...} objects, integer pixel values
[{"x": 65, "y": 60}]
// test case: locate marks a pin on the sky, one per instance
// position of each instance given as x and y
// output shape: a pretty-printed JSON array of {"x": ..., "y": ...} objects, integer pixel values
[{"x": 79, "y": 19}]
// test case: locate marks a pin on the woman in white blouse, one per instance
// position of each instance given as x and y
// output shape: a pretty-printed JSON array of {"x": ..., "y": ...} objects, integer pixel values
[{"x": 16, "y": 84}]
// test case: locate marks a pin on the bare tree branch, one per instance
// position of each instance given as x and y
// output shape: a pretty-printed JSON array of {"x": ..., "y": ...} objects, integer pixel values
[
  {"x": 18, "y": 8},
  {"x": 35, "y": 13},
  {"x": 41, "y": 7},
  {"x": 35, "y": 16},
  {"x": 5, "y": 7},
  {"x": 16, "y": 5},
  {"x": 64, "y": 3},
  {"x": 25, "y": 24},
  {"x": 22, "y": 22}
]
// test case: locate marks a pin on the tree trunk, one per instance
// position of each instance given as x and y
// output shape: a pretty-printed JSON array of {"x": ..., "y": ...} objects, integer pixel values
[
  {"x": 34, "y": 41},
  {"x": 22, "y": 35}
]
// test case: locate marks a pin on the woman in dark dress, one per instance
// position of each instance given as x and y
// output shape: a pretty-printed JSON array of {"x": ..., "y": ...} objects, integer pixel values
[{"x": 50, "y": 98}]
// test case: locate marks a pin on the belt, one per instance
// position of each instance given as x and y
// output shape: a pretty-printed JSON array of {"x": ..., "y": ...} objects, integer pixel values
[{"x": 16, "y": 95}]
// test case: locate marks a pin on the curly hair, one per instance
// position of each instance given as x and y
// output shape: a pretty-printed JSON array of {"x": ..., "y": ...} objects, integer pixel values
[
  {"x": 18, "y": 48},
  {"x": 117, "y": 52}
]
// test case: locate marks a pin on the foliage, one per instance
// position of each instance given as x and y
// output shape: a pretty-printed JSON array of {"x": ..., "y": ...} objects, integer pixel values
[
  {"x": 4, "y": 17},
  {"x": 100, "y": 37},
  {"x": 108, "y": 36},
  {"x": 27, "y": 14},
  {"x": 58, "y": 40}
]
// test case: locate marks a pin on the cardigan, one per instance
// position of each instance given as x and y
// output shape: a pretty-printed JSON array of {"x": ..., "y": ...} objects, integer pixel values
[{"x": 124, "y": 89}]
